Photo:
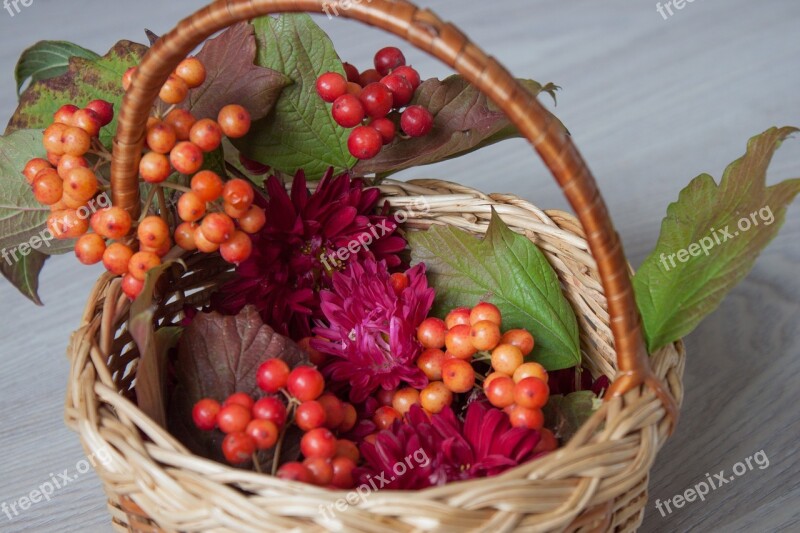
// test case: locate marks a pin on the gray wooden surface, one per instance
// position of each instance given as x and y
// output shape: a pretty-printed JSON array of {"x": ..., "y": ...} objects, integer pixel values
[{"x": 651, "y": 103}]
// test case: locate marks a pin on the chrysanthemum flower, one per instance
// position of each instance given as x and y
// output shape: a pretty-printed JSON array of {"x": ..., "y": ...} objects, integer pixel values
[
  {"x": 445, "y": 450},
  {"x": 294, "y": 254},
  {"x": 370, "y": 331}
]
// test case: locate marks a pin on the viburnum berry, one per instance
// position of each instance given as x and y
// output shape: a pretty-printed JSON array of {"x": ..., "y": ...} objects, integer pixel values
[
  {"x": 364, "y": 142},
  {"x": 350, "y": 418},
  {"x": 305, "y": 383},
  {"x": 435, "y": 397},
  {"x": 233, "y": 417},
  {"x": 458, "y": 375},
  {"x": 154, "y": 167},
  {"x": 523, "y": 417},
  {"x": 204, "y": 414},
  {"x": 184, "y": 235},
  {"x": 192, "y": 71},
  {"x": 369, "y": 76},
  {"x": 500, "y": 391},
  {"x": 52, "y": 138},
  {"x": 53, "y": 158},
  {"x": 386, "y": 128},
  {"x": 75, "y": 141},
  {"x": 253, "y": 220},
  {"x": 182, "y": 122},
  {"x": 459, "y": 343},
  {"x": 416, "y": 121},
  {"x": 206, "y": 134},
  {"x": 347, "y": 448},
  {"x": 270, "y": 408},
  {"x": 190, "y": 207},
  {"x": 161, "y": 137},
  {"x": 207, "y": 185},
  {"x": 530, "y": 370},
  {"x": 310, "y": 415},
  {"x": 404, "y": 399},
  {"x": 316, "y": 357},
  {"x": 520, "y": 338},
  {"x": 385, "y": 396},
  {"x": 67, "y": 224},
  {"x": 237, "y": 249},
  {"x": 506, "y": 358},
  {"x": 295, "y": 471},
  {"x": 88, "y": 121},
  {"x": 89, "y": 249},
  {"x": 485, "y": 335},
  {"x": 64, "y": 114},
  {"x": 48, "y": 187},
  {"x": 319, "y": 442},
  {"x": 399, "y": 282},
  {"x": 377, "y": 100},
  {"x": 217, "y": 227},
  {"x": 531, "y": 393},
  {"x": 431, "y": 333},
  {"x": 70, "y": 202},
  {"x": 241, "y": 398},
  {"x": 234, "y": 120},
  {"x": 69, "y": 162},
  {"x": 348, "y": 111},
  {"x": 174, "y": 91},
  {"x": 203, "y": 244},
  {"x": 113, "y": 222},
  {"x": 354, "y": 89},
  {"x": 402, "y": 90},
  {"x": 352, "y": 73},
  {"x": 238, "y": 447},
  {"x": 385, "y": 416},
  {"x": 331, "y": 86},
  {"x": 234, "y": 212},
  {"x": 81, "y": 184},
  {"x": 141, "y": 263},
  {"x": 485, "y": 311},
  {"x": 161, "y": 251},
  {"x": 104, "y": 111},
  {"x": 430, "y": 362},
  {"x": 491, "y": 377},
  {"x": 343, "y": 472},
  {"x": 410, "y": 74},
  {"x": 186, "y": 157},
  {"x": 33, "y": 167},
  {"x": 321, "y": 470},
  {"x": 547, "y": 441},
  {"x": 238, "y": 193},
  {"x": 272, "y": 375},
  {"x": 116, "y": 258},
  {"x": 459, "y": 315},
  {"x": 334, "y": 410},
  {"x": 387, "y": 59},
  {"x": 131, "y": 286},
  {"x": 264, "y": 433}
]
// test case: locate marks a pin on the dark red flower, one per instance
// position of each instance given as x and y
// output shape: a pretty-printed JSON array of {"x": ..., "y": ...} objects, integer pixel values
[
  {"x": 294, "y": 254},
  {"x": 442, "y": 449}
]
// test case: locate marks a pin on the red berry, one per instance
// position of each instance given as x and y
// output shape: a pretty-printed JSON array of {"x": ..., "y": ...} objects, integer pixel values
[
  {"x": 154, "y": 167},
  {"x": 316, "y": 357},
  {"x": 321, "y": 470},
  {"x": 207, "y": 185},
  {"x": 389, "y": 58},
  {"x": 350, "y": 418},
  {"x": 34, "y": 166},
  {"x": 191, "y": 208},
  {"x": 523, "y": 417},
  {"x": 385, "y": 416},
  {"x": 377, "y": 100},
  {"x": 90, "y": 249},
  {"x": 347, "y": 111},
  {"x": 547, "y": 442},
  {"x": 404, "y": 399},
  {"x": 237, "y": 249},
  {"x": 217, "y": 227},
  {"x": 186, "y": 157},
  {"x": 192, "y": 71},
  {"x": 385, "y": 396},
  {"x": 131, "y": 286},
  {"x": 294, "y": 471},
  {"x": 253, "y": 167},
  {"x": 234, "y": 121},
  {"x": 272, "y": 375},
  {"x": 430, "y": 362},
  {"x": 416, "y": 121},
  {"x": 310, "y": 415},
  {"x": 520, "y": 338},
  {"x": 305, "y": 383},
  {"x": 65, "y": 113},
  {"x": 331, "y": 86},
  {"x": 386, "y": 128},
  {"x": 233, "y": 418},
  {"x": 401, "y": 88},
  {"x": 343, "y": 472},
  {"x": 347, "y": 448},
  {"x": 351, "y": 72},
  {"x": 500, "y": 391},
  {"x": 410, "y": 74},
  {"x": 318, "y": 442},
  {"x": 364, "y": 142},
  {"x": 354, "y": 89},
  {"x": 531, "y": 393},
  {"x": 458, "y": 375},
  {"x": 459, "y": 315},
  {"x": 270, "y": 408},
  {"x": 238, "y": 193},
  {"x": 141, "y": 263},
  {"x": 239, "y": 398},
  {"x": 458, "y": 342},
  {"x": 153, "y": 231},
  {"x": 103, "y": 109},
  {"x": 485, "y": 311},
  {"x": 238, "y": 447},
  {"x": 116, "y": 258},
  {"x": 399, "y": 282},
  {"x": 206, "y": 134},
  {"x": 205, "y": 414},
  {"x": 264, "y": 433},
  {"x": 431, "y": 333},
  {"x": 485, "y": 335},
  {"x": 369, "y": 76},
  {"x": 334, "y": 410}
]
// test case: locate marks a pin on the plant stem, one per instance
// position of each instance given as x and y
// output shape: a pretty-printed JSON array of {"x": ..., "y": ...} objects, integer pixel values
[
  {"x": 162, "y": 205},
  {"x": 276, "y": 457},
  {"x": 257, "y": 463},
  {"x": 230, "y": 167},
  {"x": 170, "y": 185},
  {"x": 150, "y": 195}
]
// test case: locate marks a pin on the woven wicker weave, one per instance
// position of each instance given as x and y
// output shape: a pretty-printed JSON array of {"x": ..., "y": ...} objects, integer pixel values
[{"x": 597, "y": 482}]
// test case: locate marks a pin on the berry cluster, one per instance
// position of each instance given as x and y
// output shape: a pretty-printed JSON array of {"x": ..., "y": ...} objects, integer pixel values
[
  {"x": 296, "y": 397},
  {"x": 371, "y": 102}
]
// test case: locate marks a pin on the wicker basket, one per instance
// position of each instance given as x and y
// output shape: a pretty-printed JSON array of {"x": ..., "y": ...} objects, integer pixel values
[{"x": 597, "y": 482}]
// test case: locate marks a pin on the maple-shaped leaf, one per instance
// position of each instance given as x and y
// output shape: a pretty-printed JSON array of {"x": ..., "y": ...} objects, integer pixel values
[{"x": 232, "y": 77}]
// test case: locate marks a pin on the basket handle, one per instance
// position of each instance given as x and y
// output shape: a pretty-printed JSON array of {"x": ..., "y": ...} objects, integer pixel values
[{"x": 426, "y": 31}]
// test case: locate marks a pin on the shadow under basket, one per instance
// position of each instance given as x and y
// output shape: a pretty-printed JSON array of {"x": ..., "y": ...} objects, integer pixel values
[{"x": 596, "y": 482}]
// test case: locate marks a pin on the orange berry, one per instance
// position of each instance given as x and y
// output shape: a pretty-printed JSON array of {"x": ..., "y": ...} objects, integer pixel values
[
  {"x": 523, "y": 417},
  {"x": 491, "y": 377},
  {"x": 530, "y": 370},
  {"x": 506, "y": 358},
  {"x": 154, "y": 167},
  {"x": 485, "y": 311},
  {"x": 113, "y": 223},
  {"x": 116, "y": 258},
  {"x": 500, "y": 391},
  {"x": 131, "y": 286},
  {"x": 217, "y": 227},
  {"x": 75, "y": 141},
  {"x": 90, "y": 249},
  {"x": 161, "y": 137},
  {"x": 182, "y": 122},
  {"x": 207, "y": 185},
  {"x": 67, "y": 224},
  {"x": 404, "y": 399},
  {"x": 547, "y": 441},
  {"x": 52, "y": 139},
  {"x": 33, "y": 167},
  {"x": 459, "y": 315},
  {"x": 185, "y": 235},
  {"x": 435, "y": 397},
  {"x": 430, "y": 362},
  {"x": 174, "y": 91},
  {"x": 520, "y": 338},
  {"x": 81, "y": 184},
  {"x": 234, "y": 121},
  {"x": 186, "y": 157},
  {"x": 88, "y": 121},
  {"x": 458, "y": 375},
  {"x": 459, "y": 343},
  {"x": 206, "y": 134},
  {"x": 190, "y": 207},
  {"x": 253, "y": 220},
  {"x": 48, "y": 187},
  {"x": 234, "y": 212},
  {"x": 239, "y": 193},
  {"x": 127, "y": 78},
  {"x": 69, "y": 162},
  {"x": 431, "y": 333},
  {"x": 385, "y": 416},
  {"x": 141, "y": 263},
  {"x": 153, "y": 232},
  {"x": 237, "y": 249},
  {"x": 485, "y": 335},
  {"x": 192, "y": 71},
  {"x": 531, "y": 393},
  {"x": 203, "y": 244}
]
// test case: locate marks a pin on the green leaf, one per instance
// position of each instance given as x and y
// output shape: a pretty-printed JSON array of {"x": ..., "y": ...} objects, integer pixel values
[
  {"x": 86, "y": 79},
  {"x": 710, "y": 240},
  {"x": 47, "y": 59},
  {"x": 24, "y": 274},
  {"x": 566, "y": 414},
  {"x": 233, "y": 77},
  {"x": 300, "y": 132},
  {"x": 464, "y": 121},
  {"x": 507, "y": 270}
]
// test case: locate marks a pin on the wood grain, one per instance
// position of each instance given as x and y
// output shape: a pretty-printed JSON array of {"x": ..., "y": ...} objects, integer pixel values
[{"x": 651, "y": 103}]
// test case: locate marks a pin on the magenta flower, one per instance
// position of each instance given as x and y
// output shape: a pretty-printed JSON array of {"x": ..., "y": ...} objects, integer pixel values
[
  {"x": 484, "y": 445},
  {"x": 371, "y": 331},
  {"x": 291, "y": 254}
]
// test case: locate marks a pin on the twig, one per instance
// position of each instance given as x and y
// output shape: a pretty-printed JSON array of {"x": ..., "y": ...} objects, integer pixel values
[
  {"x": 150, "y": 195},
  {"x": 170, "y": 185},
  {"x": 162, "y": 204},
  {"x": 276, "y": 457},
  {"x": 230, "y": 167}
]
